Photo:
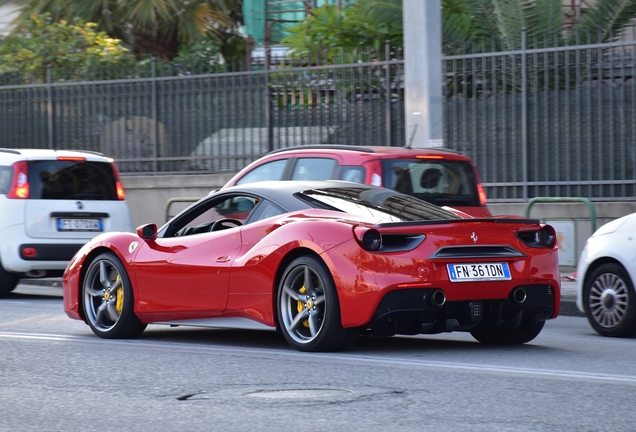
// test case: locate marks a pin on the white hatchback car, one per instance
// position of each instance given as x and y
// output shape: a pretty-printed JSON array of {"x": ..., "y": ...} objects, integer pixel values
[
  {"x": 51, "y": 203},
  {"x": 605, "y": 278}
]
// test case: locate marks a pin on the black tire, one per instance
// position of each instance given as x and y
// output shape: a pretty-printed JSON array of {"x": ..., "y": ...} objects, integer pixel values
[
  {"x": 8, "y": 282},
  {"x": 509, "y": 337},
  {"x": 609, "y": 301},
  {"x": 107, "y": 299},
  {"x": 307, "y": 291}
]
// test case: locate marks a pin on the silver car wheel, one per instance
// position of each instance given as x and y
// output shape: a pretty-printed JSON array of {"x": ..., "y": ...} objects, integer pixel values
[
  {"x": 608, "y": 300},
  {"x": 302, "y": 304},
  {"x": 103, "y": 295}
]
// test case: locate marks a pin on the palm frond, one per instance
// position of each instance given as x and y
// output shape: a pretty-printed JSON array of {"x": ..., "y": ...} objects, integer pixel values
[
  {"x": 545, "y": 16},
  {"x": 607, "y": 17}
]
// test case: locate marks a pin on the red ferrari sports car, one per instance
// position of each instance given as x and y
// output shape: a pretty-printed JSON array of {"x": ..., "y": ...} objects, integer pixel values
[{"x": 322, "y": 262}]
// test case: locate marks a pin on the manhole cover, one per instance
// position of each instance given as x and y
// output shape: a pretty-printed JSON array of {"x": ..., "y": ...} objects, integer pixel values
[{"x": 299, "y": 393}]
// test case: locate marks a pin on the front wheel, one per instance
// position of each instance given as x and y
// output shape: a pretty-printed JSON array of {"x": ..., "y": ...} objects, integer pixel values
[
  {"x": 609, "y": 301},
  {"x": 308, "y": 308},
  {"x": 108, "y": 299},
  {"x": 509, "y": 337}
]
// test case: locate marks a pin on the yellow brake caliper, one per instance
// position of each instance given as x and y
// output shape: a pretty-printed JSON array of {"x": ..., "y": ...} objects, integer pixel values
[
  {"x": 301, "y": 305},
  {"x": 119, "y": 304}
]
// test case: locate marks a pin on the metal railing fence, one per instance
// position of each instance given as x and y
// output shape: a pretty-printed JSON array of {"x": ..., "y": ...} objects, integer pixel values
[
  {"x": 546, "y": 121},
  {"x": 550, "y": 121}
]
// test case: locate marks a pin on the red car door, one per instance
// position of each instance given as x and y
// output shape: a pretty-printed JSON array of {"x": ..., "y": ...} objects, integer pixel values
[{"x": 185, "y": 277}]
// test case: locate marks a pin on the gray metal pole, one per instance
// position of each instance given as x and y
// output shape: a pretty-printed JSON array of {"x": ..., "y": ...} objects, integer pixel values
[{"x": 423, "y": 103}]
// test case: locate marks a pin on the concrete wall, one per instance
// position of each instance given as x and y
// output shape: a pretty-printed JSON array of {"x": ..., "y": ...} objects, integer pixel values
[{"x": 147, "y": 197}]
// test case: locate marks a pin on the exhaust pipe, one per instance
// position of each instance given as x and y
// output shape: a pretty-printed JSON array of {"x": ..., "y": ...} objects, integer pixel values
[
  {"x": 35, "y": 273},
  {"x": 519, "y": 295},
  {"x": 438, "y": 298}
]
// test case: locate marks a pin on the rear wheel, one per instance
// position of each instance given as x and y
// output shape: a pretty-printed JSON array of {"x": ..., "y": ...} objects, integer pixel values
[
  {"x": 308, "y": 308},
  {"x": 509, "y": 337},
  {"x": 8, "y": 281},
  {"x": 108, "y": 299},
  {"x": 609, "y": 301}
]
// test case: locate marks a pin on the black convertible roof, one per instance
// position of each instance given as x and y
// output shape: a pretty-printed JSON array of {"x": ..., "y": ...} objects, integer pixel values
[{"x": 283, "y": 192}]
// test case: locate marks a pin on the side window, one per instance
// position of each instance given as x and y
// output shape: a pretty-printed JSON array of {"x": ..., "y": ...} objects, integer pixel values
[
  {"x": 265, "y": 210},
  {"x": 209, "y": 216},
  {"x": 353, "y": 174},
  {"x": 314, "y": 169},
  {"x": 269, "y": 171},
  {"x": 6, "y": 172}
]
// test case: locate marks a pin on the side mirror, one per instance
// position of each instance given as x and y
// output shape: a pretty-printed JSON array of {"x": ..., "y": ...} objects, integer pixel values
[{"x": 148, "y": 232}]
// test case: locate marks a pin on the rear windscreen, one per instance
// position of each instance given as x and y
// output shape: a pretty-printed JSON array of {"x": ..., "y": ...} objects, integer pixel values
[
  {"x": 380, "y": 204},
  {"x": 441, "y": 182},
  {"x": 72, "y": 180}
]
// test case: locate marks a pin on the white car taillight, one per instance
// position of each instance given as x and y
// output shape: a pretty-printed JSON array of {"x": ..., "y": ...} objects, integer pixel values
[{"x": 20, "y": 181}]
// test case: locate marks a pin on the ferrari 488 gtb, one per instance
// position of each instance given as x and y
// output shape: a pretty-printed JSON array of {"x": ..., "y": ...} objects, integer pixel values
[{"x": 322, "y": 262}]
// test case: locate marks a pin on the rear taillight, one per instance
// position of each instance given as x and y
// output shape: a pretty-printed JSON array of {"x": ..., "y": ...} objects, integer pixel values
[
  {"x": 482, "y": 194},
  {"x": 547, "y": 236},
  {"x": 374, "y": 173},
  {"x": 544, "y": 237},
  {"x": 20, "y": 181},
  {"x": 121, "y": 195},
  {"x": 369, "y": 238}
]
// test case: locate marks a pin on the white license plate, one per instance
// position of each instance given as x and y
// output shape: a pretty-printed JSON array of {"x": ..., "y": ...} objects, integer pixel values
[
  {"x": 478, "y": 272},
  {"x": 79, "y": 225}
]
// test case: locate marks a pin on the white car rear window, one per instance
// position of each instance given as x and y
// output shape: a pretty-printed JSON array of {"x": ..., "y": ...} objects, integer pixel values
[{"x": 72, "y": 180}]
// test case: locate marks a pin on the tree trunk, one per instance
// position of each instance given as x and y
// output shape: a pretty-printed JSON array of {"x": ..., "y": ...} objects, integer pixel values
[{"x": 160, "y": 45}]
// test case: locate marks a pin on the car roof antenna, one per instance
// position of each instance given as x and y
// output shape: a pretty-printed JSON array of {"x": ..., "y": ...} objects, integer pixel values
[{"x": 412, "y": 137}]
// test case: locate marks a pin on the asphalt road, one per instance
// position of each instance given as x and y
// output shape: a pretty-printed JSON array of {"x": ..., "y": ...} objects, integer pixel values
[{"x": 57, "y": 376}]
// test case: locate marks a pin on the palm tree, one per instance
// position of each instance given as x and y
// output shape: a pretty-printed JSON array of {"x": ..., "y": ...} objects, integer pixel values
[
  {"x": 504, "y": 20},
  {"x": 155, "y": 27},
  {"x": 489, "y": 22}
]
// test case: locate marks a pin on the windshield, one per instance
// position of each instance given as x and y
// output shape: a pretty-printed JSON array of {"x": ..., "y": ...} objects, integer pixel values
[
  {"x": 442, "y": 182},
  {"x": 382, "y": 205}
]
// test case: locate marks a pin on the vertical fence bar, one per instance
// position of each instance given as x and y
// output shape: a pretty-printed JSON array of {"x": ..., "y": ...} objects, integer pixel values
[
  {"x": 50, "y": 106},
  {"x": 155, "y": 118},
  {"x": 568, "y": 137},
  {"x": 387, "y": 86},
  {"x": 524, "y": 113},
  {"x": 599, "y": 119},
  {"x": 268, "y": 104},
  {"x": 578, "y": 115}
]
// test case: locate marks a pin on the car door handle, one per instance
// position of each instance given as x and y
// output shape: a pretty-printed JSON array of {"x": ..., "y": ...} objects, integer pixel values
[{"x": 223, "y": 258}]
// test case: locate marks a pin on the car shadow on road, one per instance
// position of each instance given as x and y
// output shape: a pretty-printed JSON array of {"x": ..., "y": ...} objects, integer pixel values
[
  {"x": 220, "y": 336},
  {"x": 365, "y": 344},
  {"x": 31, "y": 296}
]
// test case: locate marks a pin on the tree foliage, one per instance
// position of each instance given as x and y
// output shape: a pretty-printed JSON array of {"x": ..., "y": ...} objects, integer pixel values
[
  {"x": 361, "y": 26},
  {"x": 41, "y": 41},
  {"x": 155, "y": 27},
  {"x": 368, "y": 23}
]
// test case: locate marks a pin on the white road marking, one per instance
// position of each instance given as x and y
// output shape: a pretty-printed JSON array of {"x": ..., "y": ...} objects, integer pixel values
[{"x": 386, "y": 361}]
